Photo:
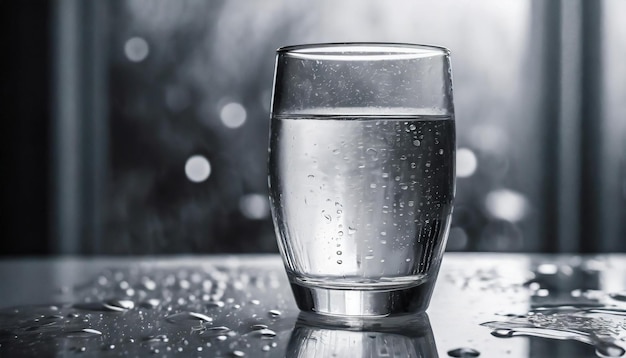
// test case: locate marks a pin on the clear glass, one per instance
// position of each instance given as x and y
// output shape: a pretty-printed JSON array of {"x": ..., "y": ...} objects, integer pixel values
[{"x": 362, "y": 174}]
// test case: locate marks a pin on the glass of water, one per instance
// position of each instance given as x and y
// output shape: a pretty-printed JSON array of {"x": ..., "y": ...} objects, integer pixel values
[{"x": 362, "y": 174}]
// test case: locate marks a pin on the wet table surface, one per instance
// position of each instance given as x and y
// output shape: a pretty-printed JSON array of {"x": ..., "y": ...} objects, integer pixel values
[{"x": 486, "y": 305}]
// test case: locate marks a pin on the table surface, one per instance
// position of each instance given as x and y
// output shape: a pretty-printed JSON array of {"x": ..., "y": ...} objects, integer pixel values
[{"x": 494, "y": 305}]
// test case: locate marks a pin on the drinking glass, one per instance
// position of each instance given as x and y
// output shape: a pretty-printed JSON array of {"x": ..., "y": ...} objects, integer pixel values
[{"x": 362, "y": 174}]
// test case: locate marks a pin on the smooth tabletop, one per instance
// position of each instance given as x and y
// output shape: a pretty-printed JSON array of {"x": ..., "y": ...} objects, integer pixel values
[{"x": 487, "y": 305}]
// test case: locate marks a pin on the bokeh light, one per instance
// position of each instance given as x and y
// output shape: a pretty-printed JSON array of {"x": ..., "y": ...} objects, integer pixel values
[
  {"x": 466, "y": 163},
  {"x": 233, "y": 115},
  {"x": 197, "y": 168},
  {"x": 506, "y": 204},
  {"x": 489, "y": 138},
  {"x": 457, "y": 240},
  {"x": 254, "y": 206},
  {"x": 136, "y": 49}
]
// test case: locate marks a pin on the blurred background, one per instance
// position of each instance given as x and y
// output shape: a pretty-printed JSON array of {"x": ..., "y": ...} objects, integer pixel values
[{"x": 140, "y": 126}]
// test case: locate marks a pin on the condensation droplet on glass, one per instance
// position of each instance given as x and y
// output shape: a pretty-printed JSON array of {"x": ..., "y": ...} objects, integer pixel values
[
  {"x": 351, "y": 230},
  {"x": 440, "y": 151},
  {"x": 339, "y": 262},
  {"x": 373, "y": 185},
  {"x": 340, "y": 233},
  {"x": 412, "y": 127},
  {"x": 372, "y": 152},
  {"x": 416, "y": 143}
]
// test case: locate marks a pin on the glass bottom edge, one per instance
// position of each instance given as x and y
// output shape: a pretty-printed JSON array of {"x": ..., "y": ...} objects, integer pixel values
[{"x": 363, "y": 303}]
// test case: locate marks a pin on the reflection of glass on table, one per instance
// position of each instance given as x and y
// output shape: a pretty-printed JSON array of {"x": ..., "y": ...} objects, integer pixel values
[{"x": 409, "y": 337}]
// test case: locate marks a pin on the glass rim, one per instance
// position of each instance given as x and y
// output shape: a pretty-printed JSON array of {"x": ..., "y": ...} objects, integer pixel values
[{"x": 354, "y": 51}]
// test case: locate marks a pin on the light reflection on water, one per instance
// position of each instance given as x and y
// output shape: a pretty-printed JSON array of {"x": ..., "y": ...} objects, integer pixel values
[{"x": 568, "y": 303}]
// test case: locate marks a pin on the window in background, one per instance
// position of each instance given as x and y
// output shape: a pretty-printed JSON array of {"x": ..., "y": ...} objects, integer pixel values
[{"x": 187, "y": 91}]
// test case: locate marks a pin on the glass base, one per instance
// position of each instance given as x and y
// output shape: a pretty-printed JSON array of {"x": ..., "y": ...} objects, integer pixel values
[{"x": 363, "y": 303}]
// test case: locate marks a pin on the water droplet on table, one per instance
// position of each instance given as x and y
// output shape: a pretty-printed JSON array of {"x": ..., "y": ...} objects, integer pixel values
[
  {"x": 618, "y": 296},
  {"x": 266, "y": 333},
  {"x": 109, "y": 347},
  {"x": 463, "y": 352},
  {"x": 218, "y": 304},
  {"x": 218, "y": 329},
  {"x": 84, "y": 333},
  {"x": 161, "y": 338},
  {"x": 150, "y": 303},
  {"x": 188, "y": 316}
]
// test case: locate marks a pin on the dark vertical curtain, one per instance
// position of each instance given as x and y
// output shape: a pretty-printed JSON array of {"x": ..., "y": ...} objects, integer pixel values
[{"x": 26, "y": 122}]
